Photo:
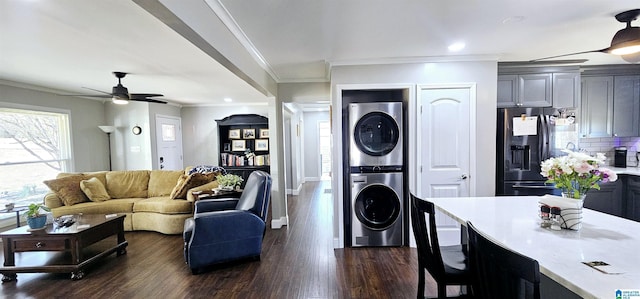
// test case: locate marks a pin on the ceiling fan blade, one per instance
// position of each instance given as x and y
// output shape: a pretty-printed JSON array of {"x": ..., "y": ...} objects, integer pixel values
[
  {"x": 144, "y": 95},
  {"x": 87, "y": 95},
  {"x": 148, "y": 100},
  {"x": 96, "y": 90},
  {"x": 563, "y": 55}
]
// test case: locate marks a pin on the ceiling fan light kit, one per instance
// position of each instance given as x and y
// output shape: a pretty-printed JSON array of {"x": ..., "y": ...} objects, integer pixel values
[
  {"x": 119, "y": 100},
  {"x": 627, "y": 40}
]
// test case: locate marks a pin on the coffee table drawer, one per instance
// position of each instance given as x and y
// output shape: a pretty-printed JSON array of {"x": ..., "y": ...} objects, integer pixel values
[{"x": 39, "y": 245}]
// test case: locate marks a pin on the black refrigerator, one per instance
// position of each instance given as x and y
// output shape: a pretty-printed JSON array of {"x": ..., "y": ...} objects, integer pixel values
[{"x": 525, "y": 137}]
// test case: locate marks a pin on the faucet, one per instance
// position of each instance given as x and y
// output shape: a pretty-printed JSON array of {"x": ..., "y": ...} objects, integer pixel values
[{"x": 571, "y": 146}]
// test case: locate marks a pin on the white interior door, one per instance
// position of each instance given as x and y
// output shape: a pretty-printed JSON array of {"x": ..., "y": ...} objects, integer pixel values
[
  {"x": 444, "y": 153},
  {"x": 169, "y": 142}
]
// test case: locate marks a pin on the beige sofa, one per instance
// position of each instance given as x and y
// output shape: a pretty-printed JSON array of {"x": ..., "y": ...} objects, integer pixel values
[{"x": 152, "y": 200}]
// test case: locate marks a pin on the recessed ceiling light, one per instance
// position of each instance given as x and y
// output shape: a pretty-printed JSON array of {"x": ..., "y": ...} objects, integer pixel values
[
  {"x": 228, "y": 100},
  {"x": 456, "y": 46}
]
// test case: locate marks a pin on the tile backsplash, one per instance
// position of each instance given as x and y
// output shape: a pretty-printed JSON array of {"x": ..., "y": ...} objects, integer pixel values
[{"x": 606, "y": 145}]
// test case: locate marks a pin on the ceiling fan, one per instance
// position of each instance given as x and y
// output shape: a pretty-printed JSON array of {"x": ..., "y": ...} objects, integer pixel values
[
  {"x": 626, "y": 42},
  {"x": 120, "y": 94}
]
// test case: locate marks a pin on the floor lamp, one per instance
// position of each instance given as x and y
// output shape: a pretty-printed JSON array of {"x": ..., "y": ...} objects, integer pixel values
[{"x": 108, "y": 130}]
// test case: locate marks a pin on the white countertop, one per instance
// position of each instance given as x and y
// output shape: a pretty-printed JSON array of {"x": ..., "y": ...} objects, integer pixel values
[{"x": 513, "y": 221}]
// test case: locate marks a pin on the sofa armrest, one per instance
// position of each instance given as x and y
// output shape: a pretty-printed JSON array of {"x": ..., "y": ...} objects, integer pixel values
[
  {"x": 51, "y": 200},
  {"x": 210, "y": 205},
  {"x": 207, "y": 186}
]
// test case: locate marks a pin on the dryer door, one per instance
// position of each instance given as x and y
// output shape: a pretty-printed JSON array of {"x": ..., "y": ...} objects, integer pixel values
[
  {"x": 377, "y": 206},
  {"x": 376, "y": 134}
]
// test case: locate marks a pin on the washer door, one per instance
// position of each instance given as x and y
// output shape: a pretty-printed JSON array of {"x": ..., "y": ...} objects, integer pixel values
[
  {"x": 376, "y": 134},
  {"x": 377, "y": 206}
]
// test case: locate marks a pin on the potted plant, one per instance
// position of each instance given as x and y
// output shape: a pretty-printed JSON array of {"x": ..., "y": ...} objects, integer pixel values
[
  {"x": 35, "y": 219},
  {"x": 229, "y": 182}
]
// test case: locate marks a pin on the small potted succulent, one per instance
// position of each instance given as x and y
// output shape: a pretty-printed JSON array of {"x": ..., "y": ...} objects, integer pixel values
[
  {"x": 35, "y": 219},
  {"x": 229, "y": 182}
]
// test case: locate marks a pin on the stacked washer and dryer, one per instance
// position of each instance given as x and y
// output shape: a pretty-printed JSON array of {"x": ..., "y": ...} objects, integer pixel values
[{"x": 376, "y": 174}]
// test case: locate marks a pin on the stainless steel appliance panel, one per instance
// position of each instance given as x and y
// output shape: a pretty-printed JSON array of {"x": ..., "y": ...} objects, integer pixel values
[
  {"x": 375, "y": 134},
  {"x": 518, "y": 157},
  {"x": 377, "y": 216}
]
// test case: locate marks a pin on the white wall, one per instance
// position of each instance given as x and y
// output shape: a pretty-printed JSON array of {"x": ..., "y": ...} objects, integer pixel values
[
  {"x": 129, "y": 151},
  {"x": 483, "y": 73},
  {"x": 288, "y": 151}
]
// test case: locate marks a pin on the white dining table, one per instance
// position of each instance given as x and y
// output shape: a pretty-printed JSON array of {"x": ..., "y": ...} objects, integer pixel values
[{"x": 513, "y": 222}]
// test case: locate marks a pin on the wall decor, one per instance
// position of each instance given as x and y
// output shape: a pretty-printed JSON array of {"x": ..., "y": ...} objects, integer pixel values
[
  {"x": 249, "y": 133},
  {"x": 234, "y": 134},
  {"x": 137, "y": 130},
  {"x": 262, "y": 144},
  {"x": 227, "y": 147},
  {"x": 238, "y": 145},
  {"x": 264, "y": 133}
]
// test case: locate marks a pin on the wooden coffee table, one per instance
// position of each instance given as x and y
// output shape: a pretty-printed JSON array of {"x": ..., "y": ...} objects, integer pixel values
[{"x": 72, "y": 240}]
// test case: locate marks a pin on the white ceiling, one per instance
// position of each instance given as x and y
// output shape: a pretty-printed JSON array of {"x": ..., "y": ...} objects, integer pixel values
[{"x": 70, "y": 44}]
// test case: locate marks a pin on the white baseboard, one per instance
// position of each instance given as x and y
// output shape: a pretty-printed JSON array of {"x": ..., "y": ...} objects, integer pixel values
[
  {"x": 295, "y": 191},
  {"x": 336, "y": 243},
  {"x": 279, "y": 223}
]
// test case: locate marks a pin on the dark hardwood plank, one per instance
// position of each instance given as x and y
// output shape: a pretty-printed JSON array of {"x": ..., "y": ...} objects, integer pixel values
[{"x": 297, "y": 261}]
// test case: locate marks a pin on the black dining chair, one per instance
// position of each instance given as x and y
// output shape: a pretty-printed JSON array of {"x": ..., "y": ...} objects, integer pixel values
[
  {"x": 499, "y": 272},
  {"x": 447, "y": 264}
]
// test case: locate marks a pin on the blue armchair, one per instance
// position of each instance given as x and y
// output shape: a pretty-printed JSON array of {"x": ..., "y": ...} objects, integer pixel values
[{"x": 227, "y": 229}]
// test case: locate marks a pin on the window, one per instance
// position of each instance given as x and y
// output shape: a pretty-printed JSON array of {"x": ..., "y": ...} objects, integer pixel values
[{"x": 34, "y": 147}]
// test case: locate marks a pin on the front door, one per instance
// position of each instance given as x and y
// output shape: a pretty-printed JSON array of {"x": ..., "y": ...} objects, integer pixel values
[
  {"x": 169, "y": 142},
  {"x": 444, "y": 151}
]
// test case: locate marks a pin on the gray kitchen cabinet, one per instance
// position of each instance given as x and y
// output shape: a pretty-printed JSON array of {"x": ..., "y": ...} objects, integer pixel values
[
  {"x": 528, "y": 90},
  {"x": 507, "y": 91},
  {"x": 597, "y": 107},
  {"x": 626, "y": 106},
  {"x": 566, "y": 90},
  {"x": 608, "y": 199},
  {"x": 633, "y": 198},
  {"x": 534, "y": 90},
  {"x": 560, "y": 90}
]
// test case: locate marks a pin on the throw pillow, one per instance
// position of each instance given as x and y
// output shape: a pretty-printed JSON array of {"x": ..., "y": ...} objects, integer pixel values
[
  {"x": 191, "y": 181},
  {"x": 68, "y": 189},
  {"x": 207, "y": 169},
  {"x": 94, "y": 189}
]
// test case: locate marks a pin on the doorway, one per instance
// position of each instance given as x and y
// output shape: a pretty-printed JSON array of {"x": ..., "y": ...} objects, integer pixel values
[
  {"x": 169, "y": 142},
  {"x": 447, "y": 148},
  {"x": 324, "y": 140}
]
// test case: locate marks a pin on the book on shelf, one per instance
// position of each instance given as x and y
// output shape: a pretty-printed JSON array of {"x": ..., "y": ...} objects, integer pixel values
[{"x": 227, "y": 159}]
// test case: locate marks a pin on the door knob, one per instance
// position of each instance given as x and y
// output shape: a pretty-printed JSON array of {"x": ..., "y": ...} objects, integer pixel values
[{"x": 464, "y": 176}]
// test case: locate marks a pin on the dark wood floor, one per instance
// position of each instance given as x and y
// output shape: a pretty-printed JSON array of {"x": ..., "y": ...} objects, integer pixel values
[{"x": 298, "y": 261}]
